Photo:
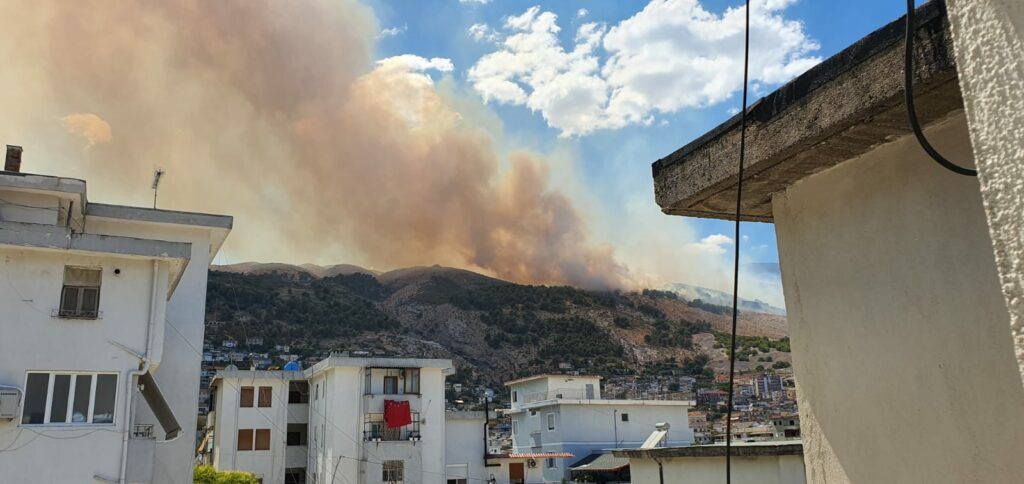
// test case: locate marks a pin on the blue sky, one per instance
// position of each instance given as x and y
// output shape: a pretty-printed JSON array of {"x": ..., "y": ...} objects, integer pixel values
[{"x": 611, "y": 167}]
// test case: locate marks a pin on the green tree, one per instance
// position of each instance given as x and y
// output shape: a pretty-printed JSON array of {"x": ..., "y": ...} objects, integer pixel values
[{"x": 209, "y": 475}]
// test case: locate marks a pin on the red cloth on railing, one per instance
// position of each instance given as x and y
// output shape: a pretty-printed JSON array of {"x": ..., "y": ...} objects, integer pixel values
[{"x": 397, "y": 414}]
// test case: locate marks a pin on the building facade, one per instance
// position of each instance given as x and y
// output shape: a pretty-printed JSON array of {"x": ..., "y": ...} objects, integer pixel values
[
  {"x": 565, "y": 416},
  {"x": 358, "y": 420},
  {"x": 103, "y": 309}
]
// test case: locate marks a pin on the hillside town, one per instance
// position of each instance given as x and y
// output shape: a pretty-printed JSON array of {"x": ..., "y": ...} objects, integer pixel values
[{"x": 135, "y": 351}]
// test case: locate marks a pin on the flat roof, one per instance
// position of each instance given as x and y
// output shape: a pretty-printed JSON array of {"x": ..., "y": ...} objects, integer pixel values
[
  {"x": 335, "y": 361},
  {"x": 836, "y": 111},
  {"x": 548, "y": 375},
  {"x": 739, "y": 449}
]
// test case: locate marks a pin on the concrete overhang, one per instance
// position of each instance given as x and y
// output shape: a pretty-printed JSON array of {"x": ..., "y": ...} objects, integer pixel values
[
  {"x": 838, "y": 110},
  {"x": 55, "y": 237},
  {"x": 755, "y": 449},
  {"x": 60, "y": 187},
  {"x": 219, "y": 225}
]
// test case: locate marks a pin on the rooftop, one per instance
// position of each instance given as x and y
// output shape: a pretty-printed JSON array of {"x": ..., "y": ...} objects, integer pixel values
[
  {"x": 336, "y": 361},
  {"x": 740, "y": 449},
  {"x": 837, "y": 110},
  {"x": 550, "y": 375}
]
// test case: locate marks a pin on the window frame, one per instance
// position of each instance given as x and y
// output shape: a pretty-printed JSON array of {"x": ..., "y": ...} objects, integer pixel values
[
  {"x": 71, "y": 394},
  {"x": 624, "y": 417},
  {"x": 551, "y": 421},
  {"x": 260, "y": 392},
  {"x": 252, "y": 397},
  {"x": 78, "y": 312},
  {"x": 411, "y": 383},
  {"x": 388, "y": 466},
  {"x": 256, "y": 439},
  {"x": 393, "y": 378}
]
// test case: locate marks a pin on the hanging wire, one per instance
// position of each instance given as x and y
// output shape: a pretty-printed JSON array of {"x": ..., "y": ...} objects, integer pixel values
[
  {"x": 908, "y": 91},
  {"x": 736, "y": 253}
]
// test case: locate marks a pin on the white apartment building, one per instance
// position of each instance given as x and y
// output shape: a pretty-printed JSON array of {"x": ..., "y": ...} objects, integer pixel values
[
  {"x": 349, "y": 434},
  {"x": 102, "y": 310},
  {"x": 558, "y": 420}
]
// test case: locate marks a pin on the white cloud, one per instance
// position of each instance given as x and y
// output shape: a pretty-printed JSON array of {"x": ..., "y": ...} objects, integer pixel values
[
  {"x": 712, "y": 244},
  {"x": 672, "y": 55},
  {"x": 415, "y": 63},
  {"x": 483, "y": 33},
  {"x": 582, "y": 13},
  {"x": 392, "y": 31}
]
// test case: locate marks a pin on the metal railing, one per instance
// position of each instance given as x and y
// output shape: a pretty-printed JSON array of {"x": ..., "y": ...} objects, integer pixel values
[
  {"x": 375, "y": 429},
  {"x": 561, "y": 393},
  {"x": 143, "y": 431}
]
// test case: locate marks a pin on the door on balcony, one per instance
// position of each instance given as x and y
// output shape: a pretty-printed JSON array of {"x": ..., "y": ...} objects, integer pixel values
[
  {"x": 516, "y": 473},
  {"x": 590, "y": 391}
]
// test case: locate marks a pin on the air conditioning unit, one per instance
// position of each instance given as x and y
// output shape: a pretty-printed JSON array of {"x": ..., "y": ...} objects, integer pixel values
[
  {"x": 532, "y": 463},
  {"x": 10, "y": 401}
]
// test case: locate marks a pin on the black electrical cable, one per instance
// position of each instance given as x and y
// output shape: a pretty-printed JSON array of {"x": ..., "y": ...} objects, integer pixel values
[
  {"x": 736, "y": 253},
  {"x": 908, "y": 90}
]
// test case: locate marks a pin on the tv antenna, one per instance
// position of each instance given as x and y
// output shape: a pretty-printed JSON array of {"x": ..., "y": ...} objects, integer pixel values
[{"x": 157, "y": 175}]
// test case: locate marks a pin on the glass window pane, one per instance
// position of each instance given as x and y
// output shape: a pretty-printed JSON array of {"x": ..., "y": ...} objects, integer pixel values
[
  {"x": 59, "y": 402},
  {"x": 246, "y": 397},
  {"x": 90, "y": 300},
  {"x": 82, "y": 276},
  {"x": 266, "y": 394},
  {"x": 80, "y": 407},
  {"x": 106, "y": 395},
  {"x": 35, "y": 398},
  {"x": 69, "y": 300}
]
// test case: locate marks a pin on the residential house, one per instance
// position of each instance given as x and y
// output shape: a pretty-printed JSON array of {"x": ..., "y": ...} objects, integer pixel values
[
  {"x": 754, "y": 463},
  {"x": 558, "y": 420},
  {"x": 902, "y": 279},
  {"x": 102, "y": 309}
]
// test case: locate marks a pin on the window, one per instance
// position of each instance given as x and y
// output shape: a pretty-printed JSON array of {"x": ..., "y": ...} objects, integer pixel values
[
  {"x": 69, "y": 398},
  {"x": 390, "y": 385},
  {"x": 456, "y": 481},
  {"x": 625, "y": 417},
  {"x": 246, "y": 397},
  {"x": 80, "y": 296},
  {"x": 253, "y": 439},
  {"x": 515, "y": 396},
  {"x": 295, "y": 475},
  {"x": 393, "y": 471},
  {"x": 537, "y": 442},
  {"x": 266, "y": 394},
  {"x": 550, "y": 463},
  {"x": 298, "y": 392},
  {"x": 245, "y": 439},
  {"x": 296, "y": 434},
  {"x": 515, "y": 427},
  {"x": 412, "y": 380},
  {"x": 262, "y": 439},
  {"x": 317, "y": 396},
  {"x": 551, "y": 421},
  {"x": 368, "y": 382}
]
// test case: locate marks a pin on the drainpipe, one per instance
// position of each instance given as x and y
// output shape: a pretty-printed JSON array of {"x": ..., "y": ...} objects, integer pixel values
[
  {"x": 133, "y": 375},
  {"x": 615, "y": 425},
  {"x": 661, "y": 472}
]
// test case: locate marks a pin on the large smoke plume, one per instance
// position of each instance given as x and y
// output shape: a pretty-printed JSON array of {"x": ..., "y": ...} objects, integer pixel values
[{"x": 274, "y": 112}]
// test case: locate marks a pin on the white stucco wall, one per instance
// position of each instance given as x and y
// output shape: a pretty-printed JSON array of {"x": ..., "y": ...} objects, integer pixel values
[
  {"x": 785, "y": 469},
  {"x": 904, "y": 366},
  {"x": 182, "y": 345},
  {"x": 230, "y": 416},
  {"x": 33, "y": 340},
  {"x": 988, "y": 38},
  {"x": 464, "y": 446}
]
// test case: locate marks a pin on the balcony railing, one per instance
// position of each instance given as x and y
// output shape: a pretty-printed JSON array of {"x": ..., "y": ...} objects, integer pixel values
[
  {"x": 376, "y": 430},
  {"x": 561, "y": 393},
  {"x": 143, "y": 431}
]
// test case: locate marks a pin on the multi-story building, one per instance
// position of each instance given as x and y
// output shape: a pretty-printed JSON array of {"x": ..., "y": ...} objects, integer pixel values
[
  {"x": 103, "y": 311},
  {"x": 767, "y": 385},
  {"x": 560, "y": 419},
  {"x": 357, "y": 420}
]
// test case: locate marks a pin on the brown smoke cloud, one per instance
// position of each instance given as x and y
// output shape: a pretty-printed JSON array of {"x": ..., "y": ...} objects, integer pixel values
[{"x": 274, "y": 112}]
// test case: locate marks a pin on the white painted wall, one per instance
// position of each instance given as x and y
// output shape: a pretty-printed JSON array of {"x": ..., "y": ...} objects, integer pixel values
[
  {"x": 32, "y": 339},
  {"x": 786, "y": 469},
  {"x": 582, "y": 427},
  {"x": 229, "y": 416},
  {"x": 988, "y": 38},
  {"x": 337, "y": 408},
  {"x": 898, "y": 326},
  {"x": 464, "y": 447}
]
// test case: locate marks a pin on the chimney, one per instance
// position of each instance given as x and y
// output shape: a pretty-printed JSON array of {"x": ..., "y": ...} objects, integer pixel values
[{"x": 13, "y": 161}]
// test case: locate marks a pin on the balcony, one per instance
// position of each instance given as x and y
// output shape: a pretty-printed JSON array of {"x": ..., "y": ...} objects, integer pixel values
[
  {"x": 561, "y": 394},
  {"x": 376, "y": 430}
]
